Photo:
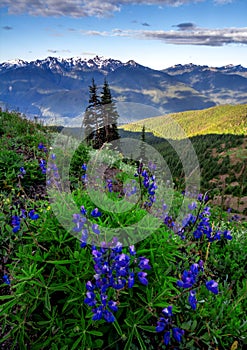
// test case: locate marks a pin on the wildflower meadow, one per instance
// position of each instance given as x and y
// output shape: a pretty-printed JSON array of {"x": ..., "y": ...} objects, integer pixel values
[{"x": 98, "y": 251}]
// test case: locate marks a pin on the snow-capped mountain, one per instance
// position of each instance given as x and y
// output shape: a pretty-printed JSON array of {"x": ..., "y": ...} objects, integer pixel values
[
  {"x": 186, "y": 68},
  {"x": 226, "y": 84},
  {"x": 60, "y": 65},
  {"x": 58, "y": 88}
]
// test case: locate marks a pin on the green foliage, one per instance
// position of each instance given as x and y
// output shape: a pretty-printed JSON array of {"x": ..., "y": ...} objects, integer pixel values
[
  {"x": 43, "y": 308},
  {"x": 225, "y": 119}
]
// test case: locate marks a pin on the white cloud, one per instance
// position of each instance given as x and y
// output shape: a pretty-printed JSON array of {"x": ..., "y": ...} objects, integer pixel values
[
  {"x": 81, "y": 8},
  {"x": 198, "y": 36},
  {"x": 223, "y": 2}
]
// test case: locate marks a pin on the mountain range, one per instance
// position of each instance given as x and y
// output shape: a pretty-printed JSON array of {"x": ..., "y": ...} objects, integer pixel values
[{"x": 56, "y": 90}]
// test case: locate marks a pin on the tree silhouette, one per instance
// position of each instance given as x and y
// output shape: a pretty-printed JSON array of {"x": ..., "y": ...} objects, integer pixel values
[
  {"x": 100, "y": 117},
  {"x": 92, "y": 121},
  {"x": 109, "y": 114}
]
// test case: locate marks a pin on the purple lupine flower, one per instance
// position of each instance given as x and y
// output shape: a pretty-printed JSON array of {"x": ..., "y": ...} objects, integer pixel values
[
  {"x": 98, "y": 313},
  {"x": 22, "y": 171},
  {"x": 84, "y": 178},
  {"x": 95, "y": 229},
  {"x": 165, "y": 324},
  {"x": 113, "y": 305},
  {"x": 167, "y": 311},
  {"x": 16, "y": 223},
  {"x": 202, "y": 198},
  {"x": 84, "y": 235},
  {"x": 160, "y": 325},
  {"x": 144, "y": 263},
  {"x": 167, "y": 336},
  {"x": 212, "y": 286},
  {"x": 192, "y": 206},
  {"x": 109, "y": 185},
  {"x": 201, "y": 265},
  {"x": 119, "y": 283},
  {"x": 84, "y": 166},
  {"x": 168, "y": 221},
  {"x": 177, "y": 334},
  {"x": 32, "y": 215},
  {"x": 90, "y": 299},
  {"x": 90, "y": 286},
  {"x": 194, "y": 268},
  {"x": 217, "y": 236},
  {"x": 40, "y": 146},
  {"x": 112, "y": 270},
  {"x": 96, "y": 213},
  {"x": 227, "y": 234},
  {"x": 6, "y": 279},
  {"x": 152, "y": 189},
  {"x": 132, "y": 250},
  {"x": 192, "y": 299},
  {"x": 83, "y": 210},
  {"x": 131, "y": 280},
  {"x": 42, "y": 164},
  {"x": 23, "y": 214},
  {"x": 142, "y": 278},
  {"x": 108, "y": 316},
  {"x": 80, "y": 221},
  {"x": 189, "y": 278},
  {"x": 188, "y": 219}
]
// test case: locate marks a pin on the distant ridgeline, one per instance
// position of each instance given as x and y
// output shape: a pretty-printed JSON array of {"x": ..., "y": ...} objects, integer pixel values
[{"x": 56, "y": 89}]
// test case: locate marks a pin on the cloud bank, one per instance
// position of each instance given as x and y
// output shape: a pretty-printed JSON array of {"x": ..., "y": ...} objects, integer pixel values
[
  {"x": 84, "y": 8},
  {"x": 197, "y": 36}
]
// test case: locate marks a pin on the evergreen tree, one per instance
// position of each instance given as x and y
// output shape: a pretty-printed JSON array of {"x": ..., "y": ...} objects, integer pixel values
[
  {"x": 109, "y": 115},
  {"x": 143, "y": 136},
  {"x": 143, "y": 144},
  {"x": 100, "y": 118},
  {"x": 92, "y": 121}
]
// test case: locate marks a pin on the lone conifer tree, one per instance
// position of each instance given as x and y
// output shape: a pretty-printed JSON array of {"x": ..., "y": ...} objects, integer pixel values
[
  {"x": 92, "y": 121},
  {"x": 143, "y": 143},
  {"x": 100, "y": 118},
  {"x": 109, "y": 114}
]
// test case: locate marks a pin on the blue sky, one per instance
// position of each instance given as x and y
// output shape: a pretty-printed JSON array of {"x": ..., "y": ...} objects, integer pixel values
[{"x": 155, "y": 33}]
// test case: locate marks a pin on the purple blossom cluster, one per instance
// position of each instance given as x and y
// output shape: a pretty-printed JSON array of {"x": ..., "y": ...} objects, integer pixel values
[
  {"x": 84, "y": 176},
  {"x": 16, "y": 219},
  {"x": 109, "y": 185},
  {"x": 204, "y": 227},
  {"x": 148, "y": 181},
  {"x": 203, "y": 198},
  {"x": 191, "y": 279},
  {"x": 53, "y": 177},
  {"x": 165, "y": 324},
  {"x": 42, "y": 164},
  {"x": 114, "y": 269},
  {"x": 82, "y": 224},
  {"x": 200, "y": 225},
  {"x": 42, "y": 147}
]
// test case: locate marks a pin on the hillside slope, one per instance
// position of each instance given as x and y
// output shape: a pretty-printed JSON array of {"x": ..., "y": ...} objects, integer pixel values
[{"x": 226, "y": 119}]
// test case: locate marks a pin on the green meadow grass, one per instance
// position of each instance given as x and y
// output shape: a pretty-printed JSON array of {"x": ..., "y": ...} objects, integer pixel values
[{"x": 43, "y": 307}]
